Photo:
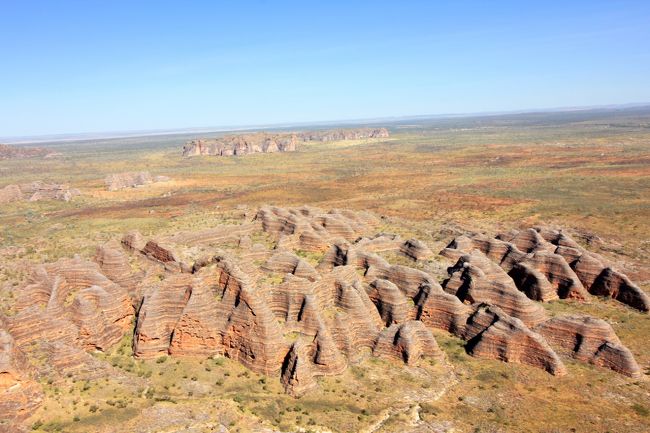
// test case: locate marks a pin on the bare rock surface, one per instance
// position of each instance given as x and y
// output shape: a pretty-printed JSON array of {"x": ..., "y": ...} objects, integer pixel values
[
  {"x": 114, "y": 263},
  {"x": 285, "y": 262},
  {"x": 262, "y": 142},
  {"x": 475, "y": 278},
  {"x": 493, "y": 334},
  {"x": 299, "y": 293},
  {"x": 590, "y": 340},
  {"x": 84, "y": 306},
  {"x": 408, "y": 342},
  {"x": 20, "y": 394},
  {"x": 312, "y": 229},
  {"x": 297, "y": 375},
  {"x": 547, "y": 263},
  {"x": 393, "y": 306},
  {"x": 344, "y": 134},
  {"x": 241, "y": 144},
  {"x": 416, "y": 249}
]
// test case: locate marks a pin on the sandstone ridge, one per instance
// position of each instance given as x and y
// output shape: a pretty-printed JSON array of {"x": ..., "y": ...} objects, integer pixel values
[
  {"x": 309, "y": 297},
  {"x": 262, "y": 142},
  {"x": 548, "y": 264}
]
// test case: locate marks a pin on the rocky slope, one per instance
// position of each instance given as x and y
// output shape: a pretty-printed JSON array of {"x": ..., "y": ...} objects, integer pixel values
[
  {"x": 312, "y": 296},
  {"x": 244, "y": 144}
]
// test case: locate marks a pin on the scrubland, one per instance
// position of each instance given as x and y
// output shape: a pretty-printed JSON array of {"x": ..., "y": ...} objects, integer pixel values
[{"x": 432, "y": 180}]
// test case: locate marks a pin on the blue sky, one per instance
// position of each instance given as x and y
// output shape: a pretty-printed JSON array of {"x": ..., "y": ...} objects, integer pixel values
[{"x": 86, "y": 66}]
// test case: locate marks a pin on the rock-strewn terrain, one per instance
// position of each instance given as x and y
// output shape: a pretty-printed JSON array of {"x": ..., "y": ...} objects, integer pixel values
[
  {"x": 37, "y": 191},
  {"x": 310, "y": 296},
  {"x": 244, "y": 144}
]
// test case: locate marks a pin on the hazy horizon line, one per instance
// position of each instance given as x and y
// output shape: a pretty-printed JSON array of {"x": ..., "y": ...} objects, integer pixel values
[{"x": 115, "y": 134}]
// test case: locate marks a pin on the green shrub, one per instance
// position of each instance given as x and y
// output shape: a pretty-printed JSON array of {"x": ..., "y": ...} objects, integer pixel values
[{"x": 640, "y": 409}]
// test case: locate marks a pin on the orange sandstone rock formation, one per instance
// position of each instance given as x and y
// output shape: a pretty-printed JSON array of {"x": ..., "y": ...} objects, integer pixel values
[
  {"x": 590, "y": 340},
  {"x": 264, "y": 304},
  {"x": 542, "y": 261},
  {"x": 262, "y": 142}
]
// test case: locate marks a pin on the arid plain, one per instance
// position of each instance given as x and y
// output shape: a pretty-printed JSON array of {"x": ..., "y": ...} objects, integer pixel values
[{"x": 587, "y": 172}]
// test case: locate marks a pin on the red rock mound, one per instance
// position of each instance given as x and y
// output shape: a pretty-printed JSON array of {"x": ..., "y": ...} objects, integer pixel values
[
  {"x": 311, "y": 297},
  {"x": 493, "y": 334},
  {"x": 545, "y": 264},
  {"x": 408, "y": 342},
  {"x": 591, "y": 340}
]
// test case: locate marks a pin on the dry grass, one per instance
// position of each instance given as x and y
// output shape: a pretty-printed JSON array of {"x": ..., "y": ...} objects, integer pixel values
[{"x": 589, "y": 175}]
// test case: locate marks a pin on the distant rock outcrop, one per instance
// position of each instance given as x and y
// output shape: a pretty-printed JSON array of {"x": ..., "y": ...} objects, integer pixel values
[
  {"x": 344, "y": 134},
  {"x": 262, "y": 142},
  {"x": 11, "y": 193},
  {"x": 310, "y": 229},
  {"x": 37, "y": 191},
  {"x": 118, "y": 181},
  {"x": 20, "y": 152},
  {"x": 241, "y": 144}
]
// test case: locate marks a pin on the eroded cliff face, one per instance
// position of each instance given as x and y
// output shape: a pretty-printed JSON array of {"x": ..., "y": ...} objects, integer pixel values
[
  {"x": 261, "y": 142},
  {"x": 310, "y": 297},
  {"x": 547, "y": 264},
  {"x": 20, "y": 394},
  {"x": 19, "y": 152}
]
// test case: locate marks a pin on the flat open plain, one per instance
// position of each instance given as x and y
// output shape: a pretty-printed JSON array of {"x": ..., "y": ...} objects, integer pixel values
[{"x": 586, "y": 171}]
